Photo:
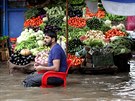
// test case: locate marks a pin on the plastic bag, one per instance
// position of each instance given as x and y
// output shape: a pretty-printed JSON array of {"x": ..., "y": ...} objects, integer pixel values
[
  {"x": 92, "y": 5},
  {"x": 130, "y": 23}
]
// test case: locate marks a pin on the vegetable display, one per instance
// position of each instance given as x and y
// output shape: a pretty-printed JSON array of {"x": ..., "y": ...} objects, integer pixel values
[
  {"x": 95, "y": 34},
  {"x": 114, "y": 32},
  {"x": 52, "y": 27},
  {"x": 84, "y": 29},
  {"x": 25, "y": 52},
  {"x": 41, "y": 58},
  {"x": 55, "y": 21},
  {"x": 77, "y": 61},
  {"x": 94, "y": 23},
  {"x": 29, "y": 39},
  {"x": 3, "y": 38},
  {"x": 77, "y": 22},
  {"x": 114, "y": 17},
  {"x": 100, "y": 13},
  {"x": 94, "y": 43},
  {"x": 54, "y": 11},
  {"x": 76, "y": 1},
  {"x": 73, "y": 32},
  {"x": 74, "y": 46},
  {"x": 18, "y": 59},
  {"x": 76, "y": 12},
  {"x": 34, "y": 21},
  {"x": 32, "y": 12},
  {"x": 121, "y": 45}
]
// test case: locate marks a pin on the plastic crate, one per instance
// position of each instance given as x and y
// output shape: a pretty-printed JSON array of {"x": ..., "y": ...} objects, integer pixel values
[{"x": 103, "y": 59}]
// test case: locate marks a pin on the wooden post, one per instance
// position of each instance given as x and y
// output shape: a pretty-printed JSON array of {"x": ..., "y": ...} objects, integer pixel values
[{"x": 66, "y": 27}]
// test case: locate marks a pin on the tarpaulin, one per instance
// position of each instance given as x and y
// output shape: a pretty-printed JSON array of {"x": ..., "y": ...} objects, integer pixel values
[{"x": 120, "y": 7}]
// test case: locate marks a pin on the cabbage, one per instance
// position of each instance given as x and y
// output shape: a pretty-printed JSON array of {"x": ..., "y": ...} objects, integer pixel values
[{"x": 40, "y": 43}]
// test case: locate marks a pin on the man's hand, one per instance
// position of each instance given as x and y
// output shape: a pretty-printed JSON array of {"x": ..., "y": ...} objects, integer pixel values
[{"x": 38, "y": 68}]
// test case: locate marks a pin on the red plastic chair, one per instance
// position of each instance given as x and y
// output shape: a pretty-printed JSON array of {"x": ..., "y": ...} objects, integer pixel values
[{"x": 61, "y": 75}]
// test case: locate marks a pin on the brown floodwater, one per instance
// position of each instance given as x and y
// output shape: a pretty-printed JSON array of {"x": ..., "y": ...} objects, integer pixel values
[{"x": 80, "y": 87}]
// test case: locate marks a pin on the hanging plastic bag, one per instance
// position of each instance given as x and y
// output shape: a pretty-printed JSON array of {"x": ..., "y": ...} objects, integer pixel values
[
  {"x": 130, "y": 23},
  {"x": 92, "y": 5}
]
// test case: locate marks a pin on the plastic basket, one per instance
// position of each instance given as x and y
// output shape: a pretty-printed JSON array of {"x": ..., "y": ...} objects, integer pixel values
[{"x": 103, "y": 59}]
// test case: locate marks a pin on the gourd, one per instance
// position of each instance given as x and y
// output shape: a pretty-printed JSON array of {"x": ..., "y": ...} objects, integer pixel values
[{"x": 25, "y": 52}]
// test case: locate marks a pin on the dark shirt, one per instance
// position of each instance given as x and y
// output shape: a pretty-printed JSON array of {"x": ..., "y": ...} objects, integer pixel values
[{"x": 58, "y": 53}]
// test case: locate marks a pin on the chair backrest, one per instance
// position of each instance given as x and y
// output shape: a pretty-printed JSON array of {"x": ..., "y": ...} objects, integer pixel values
[{"x": 69, "y": 63}]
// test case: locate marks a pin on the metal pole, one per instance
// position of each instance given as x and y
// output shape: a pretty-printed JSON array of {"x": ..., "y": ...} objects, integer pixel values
[{"x": 66, "y": 27}]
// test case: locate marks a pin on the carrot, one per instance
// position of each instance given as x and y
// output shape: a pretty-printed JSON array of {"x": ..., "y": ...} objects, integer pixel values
[
  {"x": 77, "y": 22},
  {"x": 100, "y": 13},
  {"x": 33, "y": 22},
  {"x": 114, "y": 32},
  {"x": 76, "y": 60}
]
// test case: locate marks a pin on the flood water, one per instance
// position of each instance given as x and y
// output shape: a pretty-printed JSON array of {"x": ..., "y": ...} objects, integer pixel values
[{"x": 80, "y": 87}]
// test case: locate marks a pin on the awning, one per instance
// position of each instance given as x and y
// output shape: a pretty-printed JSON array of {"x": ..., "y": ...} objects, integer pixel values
[{"x": 120, "y": 7}]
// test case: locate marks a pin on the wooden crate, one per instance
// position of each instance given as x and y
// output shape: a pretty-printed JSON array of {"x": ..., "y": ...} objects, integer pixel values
[
  {"x": 4, "y": 54},
  {"x": 3, "y": 44}
]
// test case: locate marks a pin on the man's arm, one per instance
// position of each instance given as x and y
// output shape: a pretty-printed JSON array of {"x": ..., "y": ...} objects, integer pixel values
[{"x": 55, "y": 67}]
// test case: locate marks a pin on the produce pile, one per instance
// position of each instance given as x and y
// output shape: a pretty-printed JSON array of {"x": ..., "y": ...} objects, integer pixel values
[
  {"x": 96, "y": 30},
  {"x": 42, "y": 58},
  {"x": 75, "y": 2},
  {"x": 29, "y": 39},
  {"x": 3, "y": 41},
  {"x": 76, "y": 61},
  {"x": 100, "y": 13},
  {"x": 114, "y": 32},
  {"x": 35, "y": 21},
  {"x": 20, "y": 59},
  {"x": 77, "y": 22},
  {"x": 30, "y": 43},
  {"x": 3, "y": 38}
]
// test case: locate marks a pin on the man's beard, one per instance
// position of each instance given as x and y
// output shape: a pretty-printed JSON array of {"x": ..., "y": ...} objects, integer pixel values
[{"x": 48, "y": 44}]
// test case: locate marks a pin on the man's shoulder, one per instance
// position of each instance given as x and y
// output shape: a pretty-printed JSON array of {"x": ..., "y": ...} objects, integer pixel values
[{"x": 57, "y": 46}]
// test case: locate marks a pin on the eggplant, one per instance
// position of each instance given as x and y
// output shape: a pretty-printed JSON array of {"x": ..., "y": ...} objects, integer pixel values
[
  {"x": 32, "y": 58},
  {"x": 14, "y": 62},
  {"x": 71, "y": 14},
  {"x": 24, "y": 63},
  {"x": 18, "y": 60},
  {"x": 79, "y": 15}
]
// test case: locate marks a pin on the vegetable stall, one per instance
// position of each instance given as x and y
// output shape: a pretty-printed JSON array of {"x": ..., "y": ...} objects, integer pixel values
[{"x": 93, "y": 40}]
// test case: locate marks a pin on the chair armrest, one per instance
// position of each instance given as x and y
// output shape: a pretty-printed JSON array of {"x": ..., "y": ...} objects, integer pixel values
[{"x": 48, "y": 74}]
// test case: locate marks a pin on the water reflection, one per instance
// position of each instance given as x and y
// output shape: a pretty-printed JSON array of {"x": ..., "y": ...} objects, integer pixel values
[
  {"x": 125, "y": 89},
  {"x": 118, "y": 87}
]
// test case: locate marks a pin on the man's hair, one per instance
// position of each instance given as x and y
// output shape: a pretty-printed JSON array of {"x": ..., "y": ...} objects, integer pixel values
[{"x": 51, "y": 34}]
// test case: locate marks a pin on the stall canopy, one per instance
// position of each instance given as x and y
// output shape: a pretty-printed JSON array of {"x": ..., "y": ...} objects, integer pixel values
[
  {"x": 120, "y": 7},
  {"x": 117, "y": 7}
]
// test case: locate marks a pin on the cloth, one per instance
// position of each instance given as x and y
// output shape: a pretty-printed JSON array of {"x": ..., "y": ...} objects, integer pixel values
[
  {"x": 120, "y": 7},
  {"x": 34, "y": 79}
]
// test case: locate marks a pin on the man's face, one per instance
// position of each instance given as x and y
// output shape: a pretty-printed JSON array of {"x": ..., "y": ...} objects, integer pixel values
[{"x": 48, "y": 40}]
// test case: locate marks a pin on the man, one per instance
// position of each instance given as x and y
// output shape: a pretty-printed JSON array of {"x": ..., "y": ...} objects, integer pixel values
[{"x": 56, "y": 62}]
